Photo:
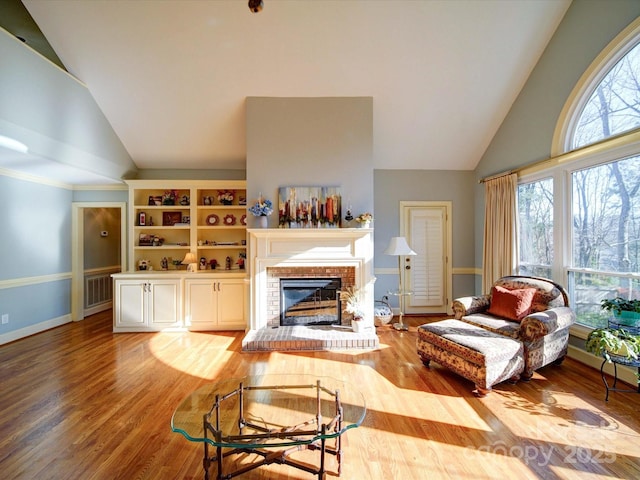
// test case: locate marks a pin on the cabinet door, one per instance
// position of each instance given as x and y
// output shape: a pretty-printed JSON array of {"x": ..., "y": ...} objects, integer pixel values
[
  {"x": 164, "y": 303},
  {"x": 200, "y": 307},
  {"x": 129, "y": 311},
  {"x": 231, "y": 303}
]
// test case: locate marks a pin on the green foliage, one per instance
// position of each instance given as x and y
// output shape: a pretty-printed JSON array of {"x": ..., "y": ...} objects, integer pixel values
[
  {"x": 607, "y": 341},
  {"x": 619, "y": 304}
]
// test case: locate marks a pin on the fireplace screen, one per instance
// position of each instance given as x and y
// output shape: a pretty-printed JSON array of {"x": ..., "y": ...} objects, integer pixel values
[{"x": 309, "y": 301}]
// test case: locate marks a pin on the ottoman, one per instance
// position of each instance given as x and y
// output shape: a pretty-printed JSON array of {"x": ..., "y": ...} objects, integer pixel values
[{"x": 486, "y": 358}]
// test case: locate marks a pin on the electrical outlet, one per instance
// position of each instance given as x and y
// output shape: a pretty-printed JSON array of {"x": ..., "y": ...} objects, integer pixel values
[{"x": 5, "y": 318}]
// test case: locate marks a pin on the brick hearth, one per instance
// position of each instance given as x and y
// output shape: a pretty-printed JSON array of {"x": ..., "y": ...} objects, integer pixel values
[{"x": 300, "y": 337}]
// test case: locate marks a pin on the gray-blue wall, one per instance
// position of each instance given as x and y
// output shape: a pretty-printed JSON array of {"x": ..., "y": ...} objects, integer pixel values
[
  {"x": 526, "y": 134},
  {"x": 35, "y": 252},
  {"x": 393, "y": 186}
]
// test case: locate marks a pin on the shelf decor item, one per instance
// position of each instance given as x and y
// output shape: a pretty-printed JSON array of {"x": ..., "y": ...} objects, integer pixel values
[
  {"x": 364, "y": 220},
  {"x": 226, "y": 197},
  {"x": 169, "y": 219},
  {"x": 261, "y": 209},
  {"x": 213, "y": 219},
  {"x": 229, "y": 219},
  {"x": 191, "y": 262},
  {"x": 169, "y": 197}
]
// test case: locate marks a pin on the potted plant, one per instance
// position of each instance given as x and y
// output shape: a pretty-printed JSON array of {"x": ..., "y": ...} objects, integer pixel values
[
  {"x": 626, "y": 312},
  {"x": 353, "y": 299},
  {"x": 606, "y": 342}
]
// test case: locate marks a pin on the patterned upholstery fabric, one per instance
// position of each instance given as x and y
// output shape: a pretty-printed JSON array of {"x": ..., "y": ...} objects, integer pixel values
[
  {"x": 484, "y": 357},
  {"x": 544, "y": 332}
]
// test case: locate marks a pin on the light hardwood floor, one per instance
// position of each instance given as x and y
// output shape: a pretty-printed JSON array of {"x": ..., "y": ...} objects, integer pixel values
[{"x": 81, "y": 402}]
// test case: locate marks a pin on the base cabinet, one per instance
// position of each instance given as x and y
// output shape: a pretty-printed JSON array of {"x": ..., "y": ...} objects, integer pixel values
[
  {"x": 151, "y": 302},
  {"x": 215, "y": 304},
  {"x": 147, "y": 304}
]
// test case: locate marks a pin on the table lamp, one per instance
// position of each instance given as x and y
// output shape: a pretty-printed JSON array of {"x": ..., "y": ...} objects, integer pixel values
[
  {"x": 191, "y": 262},
  {"x": 398, "y": 247}
]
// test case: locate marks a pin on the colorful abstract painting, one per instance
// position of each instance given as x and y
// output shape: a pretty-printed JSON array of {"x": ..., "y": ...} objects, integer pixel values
[{"x": 309, "y": 207}]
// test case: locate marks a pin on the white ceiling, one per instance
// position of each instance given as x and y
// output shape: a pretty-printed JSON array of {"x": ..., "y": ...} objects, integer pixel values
[{"x": 172, "y": 76}]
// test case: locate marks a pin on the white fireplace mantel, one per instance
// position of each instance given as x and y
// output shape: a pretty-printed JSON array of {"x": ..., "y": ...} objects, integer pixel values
[{"x": 282, "y": 247}]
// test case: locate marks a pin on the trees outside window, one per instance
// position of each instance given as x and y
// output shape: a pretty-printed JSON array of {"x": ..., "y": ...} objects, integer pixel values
[
  {"x": 535, "y": 217},
  {"x": 614, "y": 105},
  {"x": 597, "y": 190},
  {"x": 606, "y": 236}
]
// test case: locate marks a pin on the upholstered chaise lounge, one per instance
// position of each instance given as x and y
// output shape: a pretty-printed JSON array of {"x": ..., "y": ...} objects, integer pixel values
[
  {"x": 544, "y": 331},
  {"x": 532, "y": 311}
]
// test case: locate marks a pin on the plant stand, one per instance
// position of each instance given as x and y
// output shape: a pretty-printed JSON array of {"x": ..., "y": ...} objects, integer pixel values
[
  {"x": 620, "y": 360},
  {"x": 617, "y": 360}
]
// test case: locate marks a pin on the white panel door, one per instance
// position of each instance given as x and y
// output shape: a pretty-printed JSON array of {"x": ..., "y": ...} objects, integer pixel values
[{"x": 427, "y": 274}]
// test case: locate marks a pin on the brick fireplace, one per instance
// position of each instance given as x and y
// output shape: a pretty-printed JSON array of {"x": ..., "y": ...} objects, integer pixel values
[
  {"x": 274, "y": 274},
  {"x": 346, "y": 253}
]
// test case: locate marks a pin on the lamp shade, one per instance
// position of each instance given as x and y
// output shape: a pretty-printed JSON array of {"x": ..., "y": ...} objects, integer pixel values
[
  {"x": 189, "y": 258},
  {"x": 398, "y": 246}
]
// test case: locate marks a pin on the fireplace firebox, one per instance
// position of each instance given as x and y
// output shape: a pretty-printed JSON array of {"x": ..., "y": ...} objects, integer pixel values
[{"x": 310, "y": 301}]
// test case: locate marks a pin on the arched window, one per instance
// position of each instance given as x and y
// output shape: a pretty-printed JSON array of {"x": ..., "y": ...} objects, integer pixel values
[
  {"x": 580, "y": 217},
  {"x": 614, "y": 105}
]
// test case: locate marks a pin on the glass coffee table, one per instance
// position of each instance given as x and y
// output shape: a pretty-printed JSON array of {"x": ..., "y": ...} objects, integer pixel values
[{"x": 271, "y": 417}]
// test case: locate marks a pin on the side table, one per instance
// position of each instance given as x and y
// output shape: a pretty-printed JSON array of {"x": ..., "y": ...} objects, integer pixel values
[{"x": 400, "y": 325}]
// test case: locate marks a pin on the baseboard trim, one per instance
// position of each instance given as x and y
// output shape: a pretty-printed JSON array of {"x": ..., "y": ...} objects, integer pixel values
[
  {"x": 98, "y": 308},
  {"x": 33, "y": 329}
]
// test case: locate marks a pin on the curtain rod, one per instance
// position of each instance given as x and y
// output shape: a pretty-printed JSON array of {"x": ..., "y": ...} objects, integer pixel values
[
  {"x": 618, "y": 142},
  {"x": 497, "y": 175}
]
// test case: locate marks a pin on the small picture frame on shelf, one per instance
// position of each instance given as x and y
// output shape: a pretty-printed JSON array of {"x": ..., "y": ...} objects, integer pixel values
[
  {"x": 169, "y": 219},
  {"x": 145, "y": 240},
  {"x": 142, "y": 219}
]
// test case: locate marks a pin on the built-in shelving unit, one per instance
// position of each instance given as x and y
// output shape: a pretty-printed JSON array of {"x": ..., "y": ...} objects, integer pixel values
[{"x": 171, "y": 218}]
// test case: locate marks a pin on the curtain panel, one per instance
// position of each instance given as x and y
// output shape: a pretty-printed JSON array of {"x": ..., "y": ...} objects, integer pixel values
[{"x": 500, "y": 252}]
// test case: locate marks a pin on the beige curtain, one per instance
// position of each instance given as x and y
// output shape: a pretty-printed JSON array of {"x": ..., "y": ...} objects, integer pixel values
[{"x": 500, "y": 229}]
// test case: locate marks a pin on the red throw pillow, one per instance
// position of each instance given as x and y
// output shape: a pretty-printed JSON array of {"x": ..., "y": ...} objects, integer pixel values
[{"x": 511, "y": 304}]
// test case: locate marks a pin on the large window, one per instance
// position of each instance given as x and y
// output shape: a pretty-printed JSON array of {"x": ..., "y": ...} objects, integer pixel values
[
  {"x": 614, "y": 105},
  {"x": 605, "y": 227},
  {"x": 535, "y": 216},
  {"x": 592, "y": 243}
]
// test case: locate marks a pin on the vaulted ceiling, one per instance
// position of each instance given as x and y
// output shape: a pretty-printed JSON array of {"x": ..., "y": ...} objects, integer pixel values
[{"x": 172, "y": 76}]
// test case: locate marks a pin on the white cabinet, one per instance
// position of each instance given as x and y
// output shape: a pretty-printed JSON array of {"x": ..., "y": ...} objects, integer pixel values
[
  {"x": 147, "y": 304},
  {"x": 155, "y": 301},
  {"x": 215, "y": 303}
]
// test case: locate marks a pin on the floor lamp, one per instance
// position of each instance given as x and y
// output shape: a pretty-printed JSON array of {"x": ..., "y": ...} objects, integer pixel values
[{"x": 398, "y": 247}]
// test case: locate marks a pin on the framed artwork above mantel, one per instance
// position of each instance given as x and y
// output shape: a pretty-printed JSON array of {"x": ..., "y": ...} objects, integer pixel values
[{"x": 309, "y": 207}]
